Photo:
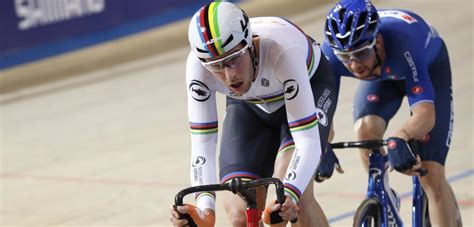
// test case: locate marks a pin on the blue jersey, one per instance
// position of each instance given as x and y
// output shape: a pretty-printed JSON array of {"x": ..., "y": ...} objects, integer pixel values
[{"x": 411, "y": 46}]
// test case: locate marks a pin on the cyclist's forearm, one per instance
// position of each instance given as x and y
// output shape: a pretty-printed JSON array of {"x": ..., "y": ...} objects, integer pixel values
[
  {"x": 302, "y": 166},
  {"x": 419, "y": 124},
  {"x": 203, "y": 171}
]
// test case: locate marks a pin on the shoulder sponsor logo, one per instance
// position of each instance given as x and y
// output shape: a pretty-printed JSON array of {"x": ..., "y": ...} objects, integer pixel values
[
  {"x": 417, "y": 90},
  {"x": 291, "y": 89},
  {"x": 199, "y": 91}
]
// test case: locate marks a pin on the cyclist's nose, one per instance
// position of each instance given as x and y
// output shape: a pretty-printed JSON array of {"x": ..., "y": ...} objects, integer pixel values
[
  {"x": 354, "y": 64},
  {"x": 230, "y": 73}
]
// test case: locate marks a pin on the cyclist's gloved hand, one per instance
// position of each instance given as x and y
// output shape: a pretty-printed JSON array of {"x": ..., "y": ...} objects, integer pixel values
[
  {"x": 206, "y": 218},
  {"x": 400, "y": 155},
  {"x": 326, "y": 166}
]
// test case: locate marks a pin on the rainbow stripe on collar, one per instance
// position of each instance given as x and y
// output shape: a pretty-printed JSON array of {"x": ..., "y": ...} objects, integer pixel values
[{"x": 267, "y": 99}]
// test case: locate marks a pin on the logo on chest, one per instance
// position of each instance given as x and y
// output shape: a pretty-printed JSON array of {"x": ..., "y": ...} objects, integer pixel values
[{"x": 264, "y": 82}]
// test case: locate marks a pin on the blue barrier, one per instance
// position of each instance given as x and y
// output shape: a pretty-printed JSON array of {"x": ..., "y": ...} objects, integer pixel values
[{"x": 35, "y": 29}]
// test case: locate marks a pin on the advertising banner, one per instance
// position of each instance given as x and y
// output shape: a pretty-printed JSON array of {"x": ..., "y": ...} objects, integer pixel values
[{"x": 34, "y": 29}]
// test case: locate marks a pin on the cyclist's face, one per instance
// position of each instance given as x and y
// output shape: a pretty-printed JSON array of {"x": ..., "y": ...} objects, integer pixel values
[
  {"x": 360, "y": 62},
  {"x": 233, "y": 69}
]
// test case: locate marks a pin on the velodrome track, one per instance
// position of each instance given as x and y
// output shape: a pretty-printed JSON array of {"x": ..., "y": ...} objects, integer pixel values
[{"x": 110, "y": 147}]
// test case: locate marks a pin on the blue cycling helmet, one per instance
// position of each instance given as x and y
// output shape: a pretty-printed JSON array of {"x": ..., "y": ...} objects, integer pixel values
[{"x": 351, "y": 23}]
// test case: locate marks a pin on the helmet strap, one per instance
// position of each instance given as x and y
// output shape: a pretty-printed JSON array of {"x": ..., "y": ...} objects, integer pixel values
[
  {"x": 255, "y": 60},
  {"x": 379, "y": 60}
]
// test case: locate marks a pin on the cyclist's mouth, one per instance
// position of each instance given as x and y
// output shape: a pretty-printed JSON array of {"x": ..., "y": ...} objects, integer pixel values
[{"x": 236, "y": 85}]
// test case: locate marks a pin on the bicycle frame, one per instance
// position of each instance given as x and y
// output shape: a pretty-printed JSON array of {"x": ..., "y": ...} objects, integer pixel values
[
  {"x": 246, "y": 190},
  {"x": 376, "y": 187}
]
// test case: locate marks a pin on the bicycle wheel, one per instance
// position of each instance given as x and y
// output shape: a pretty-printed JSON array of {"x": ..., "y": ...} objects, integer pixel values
[{"x": 368, "y": 214}]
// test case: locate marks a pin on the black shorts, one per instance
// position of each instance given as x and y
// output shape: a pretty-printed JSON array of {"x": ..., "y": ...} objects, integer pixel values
[{"x": 251, "y": 138}]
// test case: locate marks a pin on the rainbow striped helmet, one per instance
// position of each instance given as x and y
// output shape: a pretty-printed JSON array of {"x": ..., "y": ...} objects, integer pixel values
[{"x": 217, "y": 28}]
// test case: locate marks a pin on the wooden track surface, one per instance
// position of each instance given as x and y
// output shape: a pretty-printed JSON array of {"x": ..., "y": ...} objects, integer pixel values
[{"x": 110, "y": 146}]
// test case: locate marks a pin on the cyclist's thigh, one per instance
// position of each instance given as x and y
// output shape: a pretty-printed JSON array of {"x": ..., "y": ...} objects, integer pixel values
[
  {"x": 246, "y": 142},
  {"x": 435, "y": 145},
  {"x": 380, "y": 98}
]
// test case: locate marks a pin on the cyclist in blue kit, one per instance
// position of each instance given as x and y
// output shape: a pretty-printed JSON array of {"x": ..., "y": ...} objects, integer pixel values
[{"x": 396, "y": 54}]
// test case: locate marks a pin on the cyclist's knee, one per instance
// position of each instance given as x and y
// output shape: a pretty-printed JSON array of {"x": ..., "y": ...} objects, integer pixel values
[
  {"x": 435, "y": 181},
  {"x": 236, "y": 216},
  {"x": 235, "y": 209},
  {"x": 369, "y": 127}
]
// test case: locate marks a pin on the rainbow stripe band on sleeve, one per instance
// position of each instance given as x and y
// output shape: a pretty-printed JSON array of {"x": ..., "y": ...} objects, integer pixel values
[
  {"x": 245, "y": 176},
  {"x": 292, "y": 191},
  {"x": 286, "y": 146},
  {"x": 203, "y": 128},
  {"x": 304, "y": 123}
]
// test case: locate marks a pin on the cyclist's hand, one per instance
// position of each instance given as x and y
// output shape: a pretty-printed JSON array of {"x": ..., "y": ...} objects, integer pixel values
[
  {"x": 326, "y": 166},
  {"x": 288, "y": 211},
  {"x": 402, "y": 158},
  {"x": 206, "y": 218}
]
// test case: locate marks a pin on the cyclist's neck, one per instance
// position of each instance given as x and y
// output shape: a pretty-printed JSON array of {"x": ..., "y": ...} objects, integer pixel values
[{"x": 380, "y": 55}]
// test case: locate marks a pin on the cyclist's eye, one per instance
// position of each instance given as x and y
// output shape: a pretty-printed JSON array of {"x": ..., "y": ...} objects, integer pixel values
[
  {"x": 233, "y": 61},
  {"x": 216, "y": 67},
  {"x": 344, "y": 57},
  {"x": 362, "y": 55}
]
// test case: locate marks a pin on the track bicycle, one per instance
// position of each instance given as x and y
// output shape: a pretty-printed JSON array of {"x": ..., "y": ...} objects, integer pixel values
[
  {"x": 377, "y": 209},
  {"x": 246, "y": 190}
]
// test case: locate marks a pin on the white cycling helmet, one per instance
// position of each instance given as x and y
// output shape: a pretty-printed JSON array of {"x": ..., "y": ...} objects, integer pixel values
[{"x": 217, "y": 28}]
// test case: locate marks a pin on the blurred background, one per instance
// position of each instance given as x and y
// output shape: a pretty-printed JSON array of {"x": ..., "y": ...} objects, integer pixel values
[{"x": 94, "y": 129}]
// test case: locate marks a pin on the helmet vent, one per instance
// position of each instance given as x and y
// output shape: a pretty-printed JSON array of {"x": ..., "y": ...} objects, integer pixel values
[
  {"x": 348, "y": 23},
  {"x": 360, "y": 27},
  {"x": 328, "y": 32},
  {"x": 231, "y": 37},
  {"x": 342, "y": 12},
  {"x": 334, "y": 26},
  {"x": 374, "y": 18}
]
